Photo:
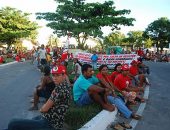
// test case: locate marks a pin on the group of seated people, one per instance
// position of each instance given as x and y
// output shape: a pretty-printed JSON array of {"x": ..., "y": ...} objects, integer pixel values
[{"x": 120, "y": 89}]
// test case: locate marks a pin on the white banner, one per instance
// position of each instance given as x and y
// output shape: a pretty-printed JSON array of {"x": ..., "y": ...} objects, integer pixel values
[{"x": 110, "y": 60}]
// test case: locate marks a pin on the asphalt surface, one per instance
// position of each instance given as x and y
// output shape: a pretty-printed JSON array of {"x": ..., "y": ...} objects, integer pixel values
[
  {"x": 156, "y": 115},
  {"x": 17, "y": 82}
]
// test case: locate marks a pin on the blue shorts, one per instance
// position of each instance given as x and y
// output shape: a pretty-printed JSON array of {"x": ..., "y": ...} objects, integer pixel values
[{"x": 85, "y": 99}]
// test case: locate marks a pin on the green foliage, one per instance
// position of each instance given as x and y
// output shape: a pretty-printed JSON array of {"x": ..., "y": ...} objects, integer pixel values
[
  {"x": 84, "y": 19},
  {"x": 14, "y": 25},
  {"x": 148, "y": 43},
  {"x": 53, "y": 41},
  {"x": 159, "y": 32},
  {"x": 114, "y": 39},
  {"x": 135, "y": 38},
  {"x": 76, "y": 117}
]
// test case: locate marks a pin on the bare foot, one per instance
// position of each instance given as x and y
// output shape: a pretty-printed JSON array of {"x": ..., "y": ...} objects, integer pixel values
[{"x": 109, "y": 107}]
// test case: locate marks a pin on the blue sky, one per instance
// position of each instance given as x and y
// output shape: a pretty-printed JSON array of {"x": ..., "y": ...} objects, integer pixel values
[{"x": 144, "y": 11}]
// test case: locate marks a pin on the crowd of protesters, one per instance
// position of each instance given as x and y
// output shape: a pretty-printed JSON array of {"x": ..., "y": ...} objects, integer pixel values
[{"x": 122, "y": 88}]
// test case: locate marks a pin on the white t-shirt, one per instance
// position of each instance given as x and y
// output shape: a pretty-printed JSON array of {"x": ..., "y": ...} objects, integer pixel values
[
  {"x": 79, "y": 68},
  {"x": 42, "y": 53}
]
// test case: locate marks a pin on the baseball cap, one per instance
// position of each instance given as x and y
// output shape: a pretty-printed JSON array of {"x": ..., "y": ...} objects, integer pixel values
[
  {"x": 125, "y": 67},
  {"x": 57, "y": 70}
]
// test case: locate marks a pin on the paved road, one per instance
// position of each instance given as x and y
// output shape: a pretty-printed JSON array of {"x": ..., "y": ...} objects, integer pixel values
[
  {"x": 156, "y": 115},
  {"x": 17, "y": 82}
]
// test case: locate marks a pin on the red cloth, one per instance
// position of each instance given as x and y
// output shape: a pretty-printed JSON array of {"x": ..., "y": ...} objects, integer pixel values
[
  {"x": 140, "y": 52},
  {"x": 64, "y": 56},
  {"x": 48, "y": 50},
  {"x": 113, "y": 75},
  {"x": 121, "y": 81},
  {"x": 1, "y": 59},
  {"x": 107, "y": 78},
  {"x": 134, "y": 70},
  {"x": 17, "y": 58}
]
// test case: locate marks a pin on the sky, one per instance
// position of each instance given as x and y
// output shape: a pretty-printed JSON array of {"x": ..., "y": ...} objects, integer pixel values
[{"x": 144, "y": 11}]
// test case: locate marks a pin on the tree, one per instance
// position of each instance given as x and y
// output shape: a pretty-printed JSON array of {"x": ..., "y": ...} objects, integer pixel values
[
  {"x": 135, "y": 38},
  {"x": 14, "y": 25},
  {"x": 84, "y": 19},
  {"x": 53, "y": 41},
  {"x": 159, "y": 32},
  {"x": 148, "y": 43},
  {"x": 114, "y": 39}
]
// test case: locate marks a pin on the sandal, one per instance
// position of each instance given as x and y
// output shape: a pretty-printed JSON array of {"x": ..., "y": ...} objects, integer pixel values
[
  {"x": 117, "y": 127},
  {"x": 136, "y": 117},
  {"x": 141, "y": 100},
  {"x": 125, "y": 125}
]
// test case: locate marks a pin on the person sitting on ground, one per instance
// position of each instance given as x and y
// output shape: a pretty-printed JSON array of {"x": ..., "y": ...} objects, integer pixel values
[
  {"x": 52, "y": 112},
  {"x": 137, "y": 79},
  {"x": 87, "y": 90},
  {"x": 123, "y": 83},
  {"x": 143, "y": 69},
  {"x": 114, "y": 98},
  {"x": 105, "y": 78},
  {"x": 117, "y": 70},
  {"x": 44, "y": 89},
  {"x": 59, "y": 64}
]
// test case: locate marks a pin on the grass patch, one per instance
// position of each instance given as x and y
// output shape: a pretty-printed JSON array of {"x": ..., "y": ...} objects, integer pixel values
[
  {"x": 7, "y": 60},
  {"x": 76, "y": 117}
]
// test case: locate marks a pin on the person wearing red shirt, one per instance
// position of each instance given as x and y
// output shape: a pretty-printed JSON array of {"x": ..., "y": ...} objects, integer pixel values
[
  {"x": 47, "y": 49},
  {"x": 123, "y": 83},
  {"x": 17, "y": 58},
  {"x": 2, "y": 59},
  {"x": 137, "y": 79},
  {"x": 64, "y": 56},
  {"x": 117, "y": 70},
  {"x": 140, "y": 52},
  {"x": 105, "y": 78}
]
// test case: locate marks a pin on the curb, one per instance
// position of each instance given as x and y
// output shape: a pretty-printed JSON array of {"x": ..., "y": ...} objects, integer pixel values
[
  {"x": 8, "y": 63},
  {"x": 105, "y": 118},
  {"x": 100, "y": 121},
  {"x": 141, "y": 108}
]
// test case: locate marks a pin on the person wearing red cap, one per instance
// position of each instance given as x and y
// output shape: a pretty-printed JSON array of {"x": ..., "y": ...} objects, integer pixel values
[
  {"x": 53, "y": 111},
  {"x": 113, "y": 98},
  {"x": 123, "y": 83}
]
